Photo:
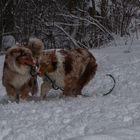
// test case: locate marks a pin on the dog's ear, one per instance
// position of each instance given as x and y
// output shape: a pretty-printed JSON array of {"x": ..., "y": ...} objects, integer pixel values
[{"x": 14, "y": 52}]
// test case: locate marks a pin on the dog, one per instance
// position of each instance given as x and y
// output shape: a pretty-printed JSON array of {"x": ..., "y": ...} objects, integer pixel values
[
  {"x": 36, "y": 46},
  {"x": 69, "y": 69},
  {"x": 16, "y": 72}
]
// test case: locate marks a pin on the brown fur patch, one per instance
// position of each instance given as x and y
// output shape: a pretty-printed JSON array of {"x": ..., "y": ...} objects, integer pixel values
[
  {"x": 68, "y": 64},
  {"x": 87, "y": 75},
  {"x": 53, "y": 61},
  {"x": 47, "y": 62},
  {"x": 68, "y": 61},
  {"x": 79, "y": 50},
  {"x": 25, "y": 60}
]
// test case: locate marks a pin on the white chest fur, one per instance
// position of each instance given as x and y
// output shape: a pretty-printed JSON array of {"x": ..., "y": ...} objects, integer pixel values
[
  {"x": 22, "y": 75},
  {"x": 19, "y": 80}
]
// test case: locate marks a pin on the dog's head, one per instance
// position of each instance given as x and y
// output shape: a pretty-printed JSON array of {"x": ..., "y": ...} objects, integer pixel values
[
  {"x": 47, "y": 62},
  {"x": 21, "y": 56}
]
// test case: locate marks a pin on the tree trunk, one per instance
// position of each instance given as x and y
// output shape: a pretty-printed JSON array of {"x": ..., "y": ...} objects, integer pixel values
[
  {"x": 8, "y": 15},
  {"x": 104, "y": 4},
  {"x": 1, "y": 24},
  {"x": 72, "y": 5}
]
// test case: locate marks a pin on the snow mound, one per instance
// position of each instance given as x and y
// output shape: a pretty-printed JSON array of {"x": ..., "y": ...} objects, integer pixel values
[{"x": 96, "y": 117}]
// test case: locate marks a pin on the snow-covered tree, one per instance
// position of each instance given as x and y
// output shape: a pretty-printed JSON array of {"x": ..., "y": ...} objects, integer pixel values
[{"x": 69, "y": 23}]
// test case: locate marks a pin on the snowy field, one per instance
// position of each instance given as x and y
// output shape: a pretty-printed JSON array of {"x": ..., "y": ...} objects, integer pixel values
[{"x": 96, "y": 117}]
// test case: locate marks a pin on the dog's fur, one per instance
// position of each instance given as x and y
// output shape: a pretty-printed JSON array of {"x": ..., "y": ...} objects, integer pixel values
[
  {"x": 71, "y": 69},
  {"x": 16, "y": 72},
  {"x": 36, "y": 46}
]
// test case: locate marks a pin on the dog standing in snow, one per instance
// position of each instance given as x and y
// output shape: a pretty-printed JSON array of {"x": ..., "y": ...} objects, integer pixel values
[
  {"x": 18, "y": 65},
  {"x": 68, "y": 69},
  {"x": 16, "y": 72}
]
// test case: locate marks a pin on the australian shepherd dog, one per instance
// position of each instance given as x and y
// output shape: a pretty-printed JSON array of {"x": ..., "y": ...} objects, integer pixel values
[
  {"x": 69, "y": 69},
  {"x": 16, "y": 72},
  {"x": 18, "y": 65}
]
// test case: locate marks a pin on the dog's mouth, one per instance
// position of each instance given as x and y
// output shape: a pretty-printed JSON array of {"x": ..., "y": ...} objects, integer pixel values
[{"x": 24, "y": 60}]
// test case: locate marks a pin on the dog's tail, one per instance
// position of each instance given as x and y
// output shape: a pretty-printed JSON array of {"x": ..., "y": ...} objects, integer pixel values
[{"x": 35, "y": 45}]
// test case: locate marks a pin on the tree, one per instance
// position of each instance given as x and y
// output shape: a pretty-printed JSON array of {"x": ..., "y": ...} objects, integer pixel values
[
  {"x": 68, "y": 23},
  {"x": 104, "y": 6},
  {"x": 7, "y": 18}
]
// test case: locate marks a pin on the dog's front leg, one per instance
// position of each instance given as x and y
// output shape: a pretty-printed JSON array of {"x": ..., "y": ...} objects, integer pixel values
[
  {"x": 45, "y": 87},
  {"x": 11, "y": 92},
  {"x": 24, "y": 92}
]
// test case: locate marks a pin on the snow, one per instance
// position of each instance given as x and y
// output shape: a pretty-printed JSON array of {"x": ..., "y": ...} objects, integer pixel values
[
  {"x": 96, "y": 137},
  {"x": 90, "y": 117}
]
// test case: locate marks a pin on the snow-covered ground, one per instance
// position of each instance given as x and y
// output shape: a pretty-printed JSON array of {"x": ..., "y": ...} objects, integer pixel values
[{"x": 96, "y": 117}]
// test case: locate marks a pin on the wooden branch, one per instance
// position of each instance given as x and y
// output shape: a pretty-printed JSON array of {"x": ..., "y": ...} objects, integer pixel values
[{"x": 8, "y": 33}]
